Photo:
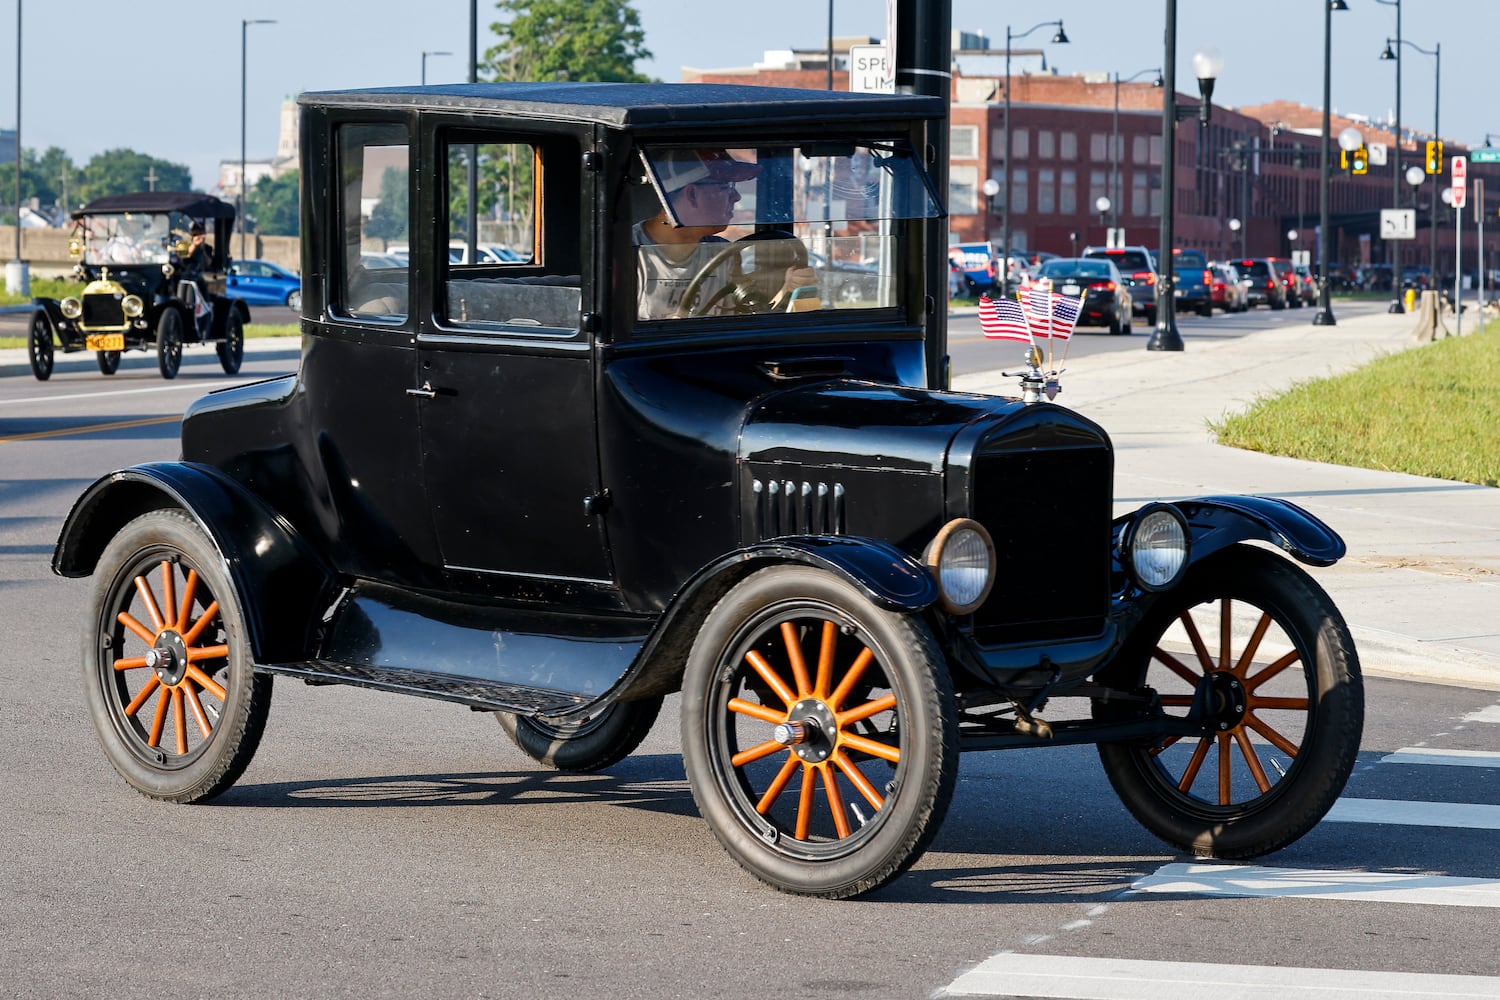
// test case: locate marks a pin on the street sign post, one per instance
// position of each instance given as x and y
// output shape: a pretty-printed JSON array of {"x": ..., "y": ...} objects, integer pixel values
[
  {"x": 1460, "y": 181},
  {"x": 1485, "y": 155},
  {"x": 1460, "y": 195}
]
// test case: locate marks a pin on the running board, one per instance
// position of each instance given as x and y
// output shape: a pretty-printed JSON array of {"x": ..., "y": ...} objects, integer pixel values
[{"x": 481, "y": 695}]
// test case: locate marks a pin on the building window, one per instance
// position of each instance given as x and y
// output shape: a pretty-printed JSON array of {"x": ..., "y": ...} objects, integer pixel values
[
  {"x": 1067, "y": 145},
  {"x": 1099, "y": 187},
  {"x": 1099, "y": 146},
  {"x": 997, "y": 144},
  {"x": 1020, "y": 143},
  {"x": 1046, "y": 144},
  {"x": 963, "y": 142},
  {"x": 963, "y": 190},
  {"x": 1046, "y": 192},
  {"x": 1156, "y": 151},
  {"x": 1139, "y": 149},
  {"x": 1018, "y": 200},
  {"x": 1067, "y": 192}
]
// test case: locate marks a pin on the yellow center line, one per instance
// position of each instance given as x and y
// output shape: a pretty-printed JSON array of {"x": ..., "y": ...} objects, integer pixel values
[{"x": 118, "y": 425}]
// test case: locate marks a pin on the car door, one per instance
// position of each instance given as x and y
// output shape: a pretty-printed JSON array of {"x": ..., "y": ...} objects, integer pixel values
[{"x": 505, "y": 374}]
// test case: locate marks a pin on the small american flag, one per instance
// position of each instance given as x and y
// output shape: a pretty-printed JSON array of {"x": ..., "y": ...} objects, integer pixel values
[
  {"x": 1052, "y": 315},
  {"x": 1003, "y": 319},
  {"x": 1065, "y": 312}
]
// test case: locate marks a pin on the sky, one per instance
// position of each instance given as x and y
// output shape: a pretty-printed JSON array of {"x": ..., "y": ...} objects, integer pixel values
[{"x": 164, "y": 78}]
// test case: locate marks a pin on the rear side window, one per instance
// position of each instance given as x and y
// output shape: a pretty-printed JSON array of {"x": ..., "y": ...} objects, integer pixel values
[
  {"x": 1189, "y": 258},
  {"x": 375, "y": 206},
  {"x": 1128, "y": 261}
]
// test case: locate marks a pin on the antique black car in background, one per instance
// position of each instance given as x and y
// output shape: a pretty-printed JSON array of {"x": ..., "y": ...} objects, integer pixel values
[
  {"x": 631, "y": 464},
  {"x": 142, "y": 289}
]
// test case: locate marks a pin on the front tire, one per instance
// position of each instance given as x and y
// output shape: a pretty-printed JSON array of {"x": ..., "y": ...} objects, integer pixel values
[
  {"x": 605, "y": 739},
  {"x": 168, "y": 672},
  {"x": 169, "y": 343},
  {"x": 109, "y": 361},
  {"x": 39, "y": 346},
  {"x": 819, "y": 733},
  {"x": 231, "y": 349},
  {"x": 294, "y": 299},
  {"x": 1276, "y": 668}
]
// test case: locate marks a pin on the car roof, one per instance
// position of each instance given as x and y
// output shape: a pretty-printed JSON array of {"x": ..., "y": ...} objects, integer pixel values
[
  {"x": 202, "y": 206},
  {"x": 625, "y": 105}
]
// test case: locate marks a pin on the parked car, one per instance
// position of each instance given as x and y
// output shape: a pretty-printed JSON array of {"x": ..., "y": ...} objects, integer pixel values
[
  {"x": 1227, "y": 289},
  {"x": 262, "y": 283},
  {"x": 1291, "y": 285},
  {"x": 1190, "y": 281},
  {"x": 1137, "y": 267},
  {"x": 845, "y": 281},
  {"x": 981, "y": 270},
  {"x": 1263, "y": 284},
  {"x": 518, "y": 489},
  {"x": 1106, "y": 299},
  {"x": 142, "y": 291}
]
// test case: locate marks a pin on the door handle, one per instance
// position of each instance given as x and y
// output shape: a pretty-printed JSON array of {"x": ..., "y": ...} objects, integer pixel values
[{"x": 426, "y": 392}]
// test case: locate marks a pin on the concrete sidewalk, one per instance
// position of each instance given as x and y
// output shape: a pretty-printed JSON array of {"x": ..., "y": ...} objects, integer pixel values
[{"x": 1420, "y": 586}]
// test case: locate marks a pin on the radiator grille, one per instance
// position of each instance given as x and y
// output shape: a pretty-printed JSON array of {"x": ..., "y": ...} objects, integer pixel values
[
  {"x": 102, "y": 310},
  {"x": 792, "y": 507}
]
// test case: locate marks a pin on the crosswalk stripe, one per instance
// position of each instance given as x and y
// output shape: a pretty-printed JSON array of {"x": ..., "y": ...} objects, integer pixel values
[
  {"x": 1450, "y": 758},
  {"x": 1013, "y": 975},
  {"x": 1490, "y": 714},
  {"x": 1377, "y": 887},
  {"x": 1399, "y": 812}
]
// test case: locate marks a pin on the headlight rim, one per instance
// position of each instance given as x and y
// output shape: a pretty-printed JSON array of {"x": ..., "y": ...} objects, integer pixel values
[
  {"x": 71, "y": 307},
  {"x": 1132, "y": 532},
  {"x": 132, "y": 306},
  {"x": 932, "y": 557}
]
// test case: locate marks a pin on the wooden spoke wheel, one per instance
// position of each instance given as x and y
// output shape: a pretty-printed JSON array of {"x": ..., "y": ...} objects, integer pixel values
[
  {"x": 169, "y": 343},
  {"x": 39, "y": 346},
  {"x": 169, "y": 675},
  {"x": 591, "y": 745},
  {"x": 819, "y": 733},
  {"x": 1259, "y": 652}
]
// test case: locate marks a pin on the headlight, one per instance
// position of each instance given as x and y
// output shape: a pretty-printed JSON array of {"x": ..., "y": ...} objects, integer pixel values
[
  {"x": 1156, "y": 548},
  {"x": 131, "y": 304},
  {"x": 962, "y": 557},
  {"x": 75, "y": 248},
  {"x": 71, "y": 307}
]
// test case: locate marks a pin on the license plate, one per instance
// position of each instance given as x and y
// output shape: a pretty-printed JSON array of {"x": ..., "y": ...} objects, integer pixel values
[
  {"x": 104, "y": 342},
  {"x": 1070, "y": 289}
]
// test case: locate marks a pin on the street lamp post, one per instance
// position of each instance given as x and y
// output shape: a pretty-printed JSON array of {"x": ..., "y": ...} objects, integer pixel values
[
  {"x": 1395, "y": 257},
  {"x": 1207, "y": 65},
  {"x": 1060, "y": 38},
  {"x": 1325, "y": 309},
  {"x": 244, "y": 49},
  {"x": 1114, "y": 141},
  {"x": 1102, "y": 205},
  {"x": 424, "y": 63},
  {"x": 1235, "y": 226},
  {"x": 17, "y": 280}
]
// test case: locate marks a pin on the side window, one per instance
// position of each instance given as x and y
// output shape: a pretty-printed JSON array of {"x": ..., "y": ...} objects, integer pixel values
[
  {"x": 512, "y": 228},
  {"x": 375, "y": 208}
]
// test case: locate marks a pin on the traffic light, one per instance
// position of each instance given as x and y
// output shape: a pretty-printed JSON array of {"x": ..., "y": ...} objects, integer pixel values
[
  {"x": 1361, "y": 160},
  {"x": 1435, "y": 156}
]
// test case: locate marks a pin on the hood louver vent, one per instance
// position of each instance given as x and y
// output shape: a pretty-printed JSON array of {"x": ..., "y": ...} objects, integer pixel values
[{"x": 788, "y": 507}]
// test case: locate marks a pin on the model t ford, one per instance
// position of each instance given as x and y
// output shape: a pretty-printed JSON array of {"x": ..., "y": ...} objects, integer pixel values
[
  {"x": 152, "y": 279},
  {"x": 655, "y": 454}
]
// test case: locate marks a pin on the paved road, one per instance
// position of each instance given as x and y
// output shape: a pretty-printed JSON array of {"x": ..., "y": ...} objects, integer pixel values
[{"x": 382, "y": 846}]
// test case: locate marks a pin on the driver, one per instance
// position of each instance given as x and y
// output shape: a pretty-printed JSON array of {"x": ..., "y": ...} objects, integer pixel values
[{"x": 701, "y": 186}]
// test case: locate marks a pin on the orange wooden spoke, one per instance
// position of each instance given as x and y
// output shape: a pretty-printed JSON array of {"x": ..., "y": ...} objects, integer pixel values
[
  {"x": 149, "y": 600},
  {"x": 198, "y": 653},
  {"x": 755, "y": 711},
  {"x": 130, "y": 663},
  {"x": 1226, "y": 795},
  {"x": 147, "y": 636},
  {"x": 825, "y": 659},
  {"x": 857, "y": 779},
  {"x": 191, "y": 697},
  {"x": 1191, "y": 627},
  {"x": 769, "y": 675},
  {"x": 1252, "y": 759},
  {"x": 179, "y": 720},
  {"x": 866, "y": 710},
  {"x": 1286, "y": 660},
  {"x": 794, "y": 654},
  {"x": 1176, "y": 700},
  {"x": 805, "y": 802},
  {"x": 1226, "y": 632},
  {"x": 755, "y": 753},
  {"x": 1285, "y": 704},
  {"x": 779, "y": 785},
  {"x": 142, "y": 695},
  {"x": 189, "y": 590},
  {"x": 168, "y": 601},
  {"x": 864, "y": 659},
  {"x": 1188, "y": 776},
  {"x": 835, "y": 802},
  {"x": 1175, "y": 665},
  {"x": 1281, "y": 743},
  {"x": 882, "y": 750},
  {"x": 1242, "y": 668},
  {"x": 207, "y": 683},
  {"x": 1156, "y": 751},
  {"x": 209, "y": 613},
  {"x": 154, "y": 738}
]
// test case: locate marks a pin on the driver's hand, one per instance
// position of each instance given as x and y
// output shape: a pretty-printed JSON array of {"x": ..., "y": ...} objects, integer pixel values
[{"x": 797, "y": 277}]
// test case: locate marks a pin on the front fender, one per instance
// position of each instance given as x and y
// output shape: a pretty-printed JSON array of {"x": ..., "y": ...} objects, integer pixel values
[
  {"x": 1218, "y": 522},
  {"x": 281, "y": 583}
]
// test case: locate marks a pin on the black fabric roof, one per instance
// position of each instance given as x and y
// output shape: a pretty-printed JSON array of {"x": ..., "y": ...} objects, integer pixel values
[
  {"x": 199, "y": 206},
  {"x": 638, "y": 104}
]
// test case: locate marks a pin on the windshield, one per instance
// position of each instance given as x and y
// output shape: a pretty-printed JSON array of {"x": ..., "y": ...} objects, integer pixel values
[
  {"x": 776, "y": 228},
  {"x": 132, "y": 237}
]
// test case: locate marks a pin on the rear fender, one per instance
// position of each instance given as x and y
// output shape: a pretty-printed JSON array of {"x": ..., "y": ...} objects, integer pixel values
[
  {"x": 281, "y": 583},
  {"x": 1218, "y": 522}
]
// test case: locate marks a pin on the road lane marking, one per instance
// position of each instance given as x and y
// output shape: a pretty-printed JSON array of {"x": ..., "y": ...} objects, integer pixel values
[
  {"x": 1449, "y": 758},
  {"x": 1491, "y": 714},
  {"x": 197, "y": 386},
  {"x": 1399, "y": 812},
  {"x": 118, "y": 425},
  {"x": 1010, "y": 975},
  {"x": 1274, "y": 883}
]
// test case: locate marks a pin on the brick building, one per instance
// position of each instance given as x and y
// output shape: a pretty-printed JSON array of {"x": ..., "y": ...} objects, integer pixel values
[{"x": 1070, "y": 145}]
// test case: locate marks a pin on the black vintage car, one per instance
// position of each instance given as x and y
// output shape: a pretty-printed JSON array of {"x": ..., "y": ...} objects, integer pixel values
[
  {"x": 145, "y": 284},
  {"x": 650, "y": 458}
]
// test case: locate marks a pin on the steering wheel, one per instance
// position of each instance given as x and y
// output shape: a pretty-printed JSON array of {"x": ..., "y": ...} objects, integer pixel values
[{"x": 751, "y": 291}]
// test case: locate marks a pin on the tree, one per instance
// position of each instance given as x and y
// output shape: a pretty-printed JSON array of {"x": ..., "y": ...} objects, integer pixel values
[
  {"x": 594, "y": 41},
  {"x": 273, "y": 204},
  {"x": 388, "y": 219},
  {"x": 123, "y": 171}
]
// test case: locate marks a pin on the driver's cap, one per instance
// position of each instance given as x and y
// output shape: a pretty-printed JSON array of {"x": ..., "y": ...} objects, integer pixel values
[{"x": 677, "y": 168}]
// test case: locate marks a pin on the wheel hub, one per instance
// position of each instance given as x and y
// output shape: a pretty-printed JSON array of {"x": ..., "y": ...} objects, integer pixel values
[
  {"x": 168, "y": 658},
  {"x": 1226, "y": 700},
  {"x": 809, "y": 731}
]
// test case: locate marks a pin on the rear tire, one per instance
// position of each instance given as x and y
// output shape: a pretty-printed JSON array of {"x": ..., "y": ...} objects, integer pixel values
[
  {"x": 169, "y": 343},
  {"x": 231, "y": 349},
  {"x": 606, "y": 739},
  {"x": 39, "y": 346}
]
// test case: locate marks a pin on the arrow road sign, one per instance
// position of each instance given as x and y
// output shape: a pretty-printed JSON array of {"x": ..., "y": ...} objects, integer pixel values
[{"x": 1398, "y": 223}]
